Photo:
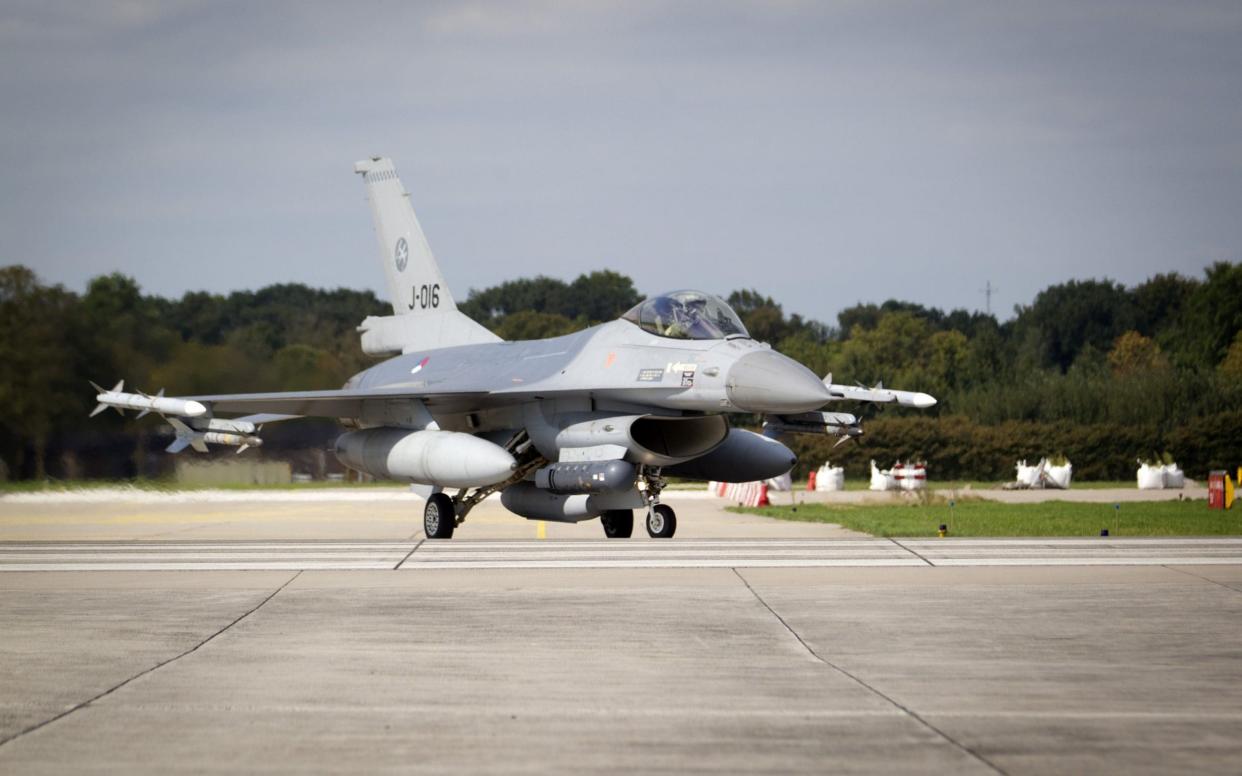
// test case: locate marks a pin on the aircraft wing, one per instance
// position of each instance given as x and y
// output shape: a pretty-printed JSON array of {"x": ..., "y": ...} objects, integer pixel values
[{"x": 343, "y": 403}]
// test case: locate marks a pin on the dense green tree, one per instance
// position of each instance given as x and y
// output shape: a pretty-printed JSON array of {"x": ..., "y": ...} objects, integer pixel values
[
  {"x": 591, "y": 298},
  {"x": 1068, "y": 317},
  {"x": 600, "y": 296},
  {"x": 1231, "y": 366},
  {"x": 42, "y": 375},
  {"x": 528, "y": 325},
  {"x": 1213, "y": 315},
  {"x": 1091, "y": 369},
  {"x": 1134, "y": 354}
]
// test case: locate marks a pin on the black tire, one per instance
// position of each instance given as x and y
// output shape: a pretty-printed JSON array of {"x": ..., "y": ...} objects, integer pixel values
[
  {"x": 618, "y": 523},
  {"x": 439, "y": 517},
  {"x": 661, "y": 522}
]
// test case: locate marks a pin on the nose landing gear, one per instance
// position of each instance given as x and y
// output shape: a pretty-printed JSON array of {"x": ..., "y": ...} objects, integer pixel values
[{"x": 661, "y": 521}]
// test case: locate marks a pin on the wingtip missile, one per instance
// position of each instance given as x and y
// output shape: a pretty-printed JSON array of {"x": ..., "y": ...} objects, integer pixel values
[
  {"x": 144, "y": 403},
  {"x": 879, "y": 394},
  {"x": 922, "y": 400}
]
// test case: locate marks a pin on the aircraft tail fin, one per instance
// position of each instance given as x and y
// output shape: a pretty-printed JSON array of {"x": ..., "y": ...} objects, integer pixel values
[
  {"x": 415, "y": 284},
  {"x": 424, "y": 313}
]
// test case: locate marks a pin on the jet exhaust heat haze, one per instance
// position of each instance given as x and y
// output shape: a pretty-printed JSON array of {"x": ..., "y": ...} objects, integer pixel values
[{"x": 568, "y": 429}]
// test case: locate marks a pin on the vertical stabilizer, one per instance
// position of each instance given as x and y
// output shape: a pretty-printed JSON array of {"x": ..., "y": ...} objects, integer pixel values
[
  {"x": 415, "y": 284},
  {"x": 424, "y": 313}
]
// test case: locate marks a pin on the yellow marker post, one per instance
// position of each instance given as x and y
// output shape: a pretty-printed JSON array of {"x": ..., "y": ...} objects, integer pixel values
[
  {"x": 1228, "y": 492},
  {"x": 541, "y": 530}
]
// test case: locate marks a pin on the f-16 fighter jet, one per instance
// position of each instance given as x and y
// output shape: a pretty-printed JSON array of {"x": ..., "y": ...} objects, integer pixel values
[{"x": 567, "y": 429}]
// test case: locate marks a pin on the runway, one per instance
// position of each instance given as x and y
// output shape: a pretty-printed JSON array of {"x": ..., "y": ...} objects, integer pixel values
[
  {"x": 637, "y": 554},
  {"x": 163, "y": 635}
]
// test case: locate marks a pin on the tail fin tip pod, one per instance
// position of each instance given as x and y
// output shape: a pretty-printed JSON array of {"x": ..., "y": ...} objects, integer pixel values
[{"x": 424, "y": 312}]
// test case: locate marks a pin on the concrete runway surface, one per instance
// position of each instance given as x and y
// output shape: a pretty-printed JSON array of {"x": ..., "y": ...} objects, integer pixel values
[{"x": 749, "y": 645}]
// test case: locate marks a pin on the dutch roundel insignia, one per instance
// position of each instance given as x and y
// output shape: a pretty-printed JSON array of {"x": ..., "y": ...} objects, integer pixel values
[{"x": 401, "y": 254}]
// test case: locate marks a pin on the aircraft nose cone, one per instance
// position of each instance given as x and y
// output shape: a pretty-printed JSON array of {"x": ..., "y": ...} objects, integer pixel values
[{"x": 766, "y": 381}]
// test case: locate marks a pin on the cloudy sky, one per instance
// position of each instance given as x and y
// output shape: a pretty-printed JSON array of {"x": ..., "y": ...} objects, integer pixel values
[{"x": 824, "y": 153}]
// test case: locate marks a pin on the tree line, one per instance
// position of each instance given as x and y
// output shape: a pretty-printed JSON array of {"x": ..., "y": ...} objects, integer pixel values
[{"x": 1094, "y": 370}]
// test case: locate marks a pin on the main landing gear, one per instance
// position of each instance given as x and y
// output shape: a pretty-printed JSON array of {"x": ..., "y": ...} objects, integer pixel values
[
  {"x": 439, "y": 516},
  {"x": 443, "y": 512},
  {"x": 618, "y": 523}
]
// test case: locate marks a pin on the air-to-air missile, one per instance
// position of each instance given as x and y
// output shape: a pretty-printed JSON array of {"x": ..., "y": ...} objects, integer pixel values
[
  {"x": 878, "y": 393},
  {"x": 207, "y": 431},
  {"x": 199, "y": 439},
  {"x": 120, "y": 401}
]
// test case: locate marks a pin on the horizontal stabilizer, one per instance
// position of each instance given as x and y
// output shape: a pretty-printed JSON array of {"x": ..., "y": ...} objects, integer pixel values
[{"x": 390, "y": 334}]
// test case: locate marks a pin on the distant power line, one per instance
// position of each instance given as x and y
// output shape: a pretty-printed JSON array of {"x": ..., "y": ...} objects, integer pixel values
[{"x": 988, "y": 290}]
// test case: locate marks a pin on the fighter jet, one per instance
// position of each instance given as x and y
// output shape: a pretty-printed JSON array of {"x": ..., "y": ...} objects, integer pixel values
[{"x": 572, "y": 428}]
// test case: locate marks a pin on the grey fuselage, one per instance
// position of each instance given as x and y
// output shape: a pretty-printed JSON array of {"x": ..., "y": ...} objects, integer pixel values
[{"x": 612, "y": 368}]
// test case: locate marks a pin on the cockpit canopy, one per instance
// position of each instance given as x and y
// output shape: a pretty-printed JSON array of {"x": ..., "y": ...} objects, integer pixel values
[{"x": 687, "y": 315}]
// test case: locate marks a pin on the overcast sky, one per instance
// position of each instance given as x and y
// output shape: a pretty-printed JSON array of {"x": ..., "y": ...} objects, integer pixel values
[{"x": 823, "y": 153}]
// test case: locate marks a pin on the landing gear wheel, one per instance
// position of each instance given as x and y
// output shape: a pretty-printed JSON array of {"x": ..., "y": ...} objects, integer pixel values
[
  {"x": 618, "y": 523},
  {"x": 661, "y": 522},
  {"x": 439, "y": 517}
]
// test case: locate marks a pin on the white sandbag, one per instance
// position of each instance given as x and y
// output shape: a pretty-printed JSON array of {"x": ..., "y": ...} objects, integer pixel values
[
  {"x": 830, "y": 478},
  {"x": 914, "y": 477},
  {"x": 1058, "y": 476},
  {"x": 1150, "y": 477},
  {"x": 1027, "y": 475},
  {"x": 1174, "y": 477},
  {"x": 782, "y": 483},
  {"x": 882, "y": 480}
]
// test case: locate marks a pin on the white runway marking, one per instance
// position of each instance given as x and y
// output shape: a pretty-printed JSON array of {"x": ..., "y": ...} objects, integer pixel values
[{"x": 639, "y": 553}]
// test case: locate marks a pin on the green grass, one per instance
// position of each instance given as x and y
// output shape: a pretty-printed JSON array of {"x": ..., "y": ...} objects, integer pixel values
[
  {"x": 859, "y": 483},
  {"x": 988, "y": 518}
]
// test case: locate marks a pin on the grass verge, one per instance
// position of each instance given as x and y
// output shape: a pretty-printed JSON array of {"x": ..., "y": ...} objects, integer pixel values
[{"x": 989, "y": 518}]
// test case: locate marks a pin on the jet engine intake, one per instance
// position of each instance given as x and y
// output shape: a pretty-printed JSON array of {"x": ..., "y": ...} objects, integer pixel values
[{"x": 449, "y": 459}]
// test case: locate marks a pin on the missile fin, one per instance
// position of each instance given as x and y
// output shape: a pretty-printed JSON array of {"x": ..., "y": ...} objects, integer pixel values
[
  {"x": 187, "y": 435},
  {"x": 178, "y": 444},
  {"x": 98, "y": 409}
]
